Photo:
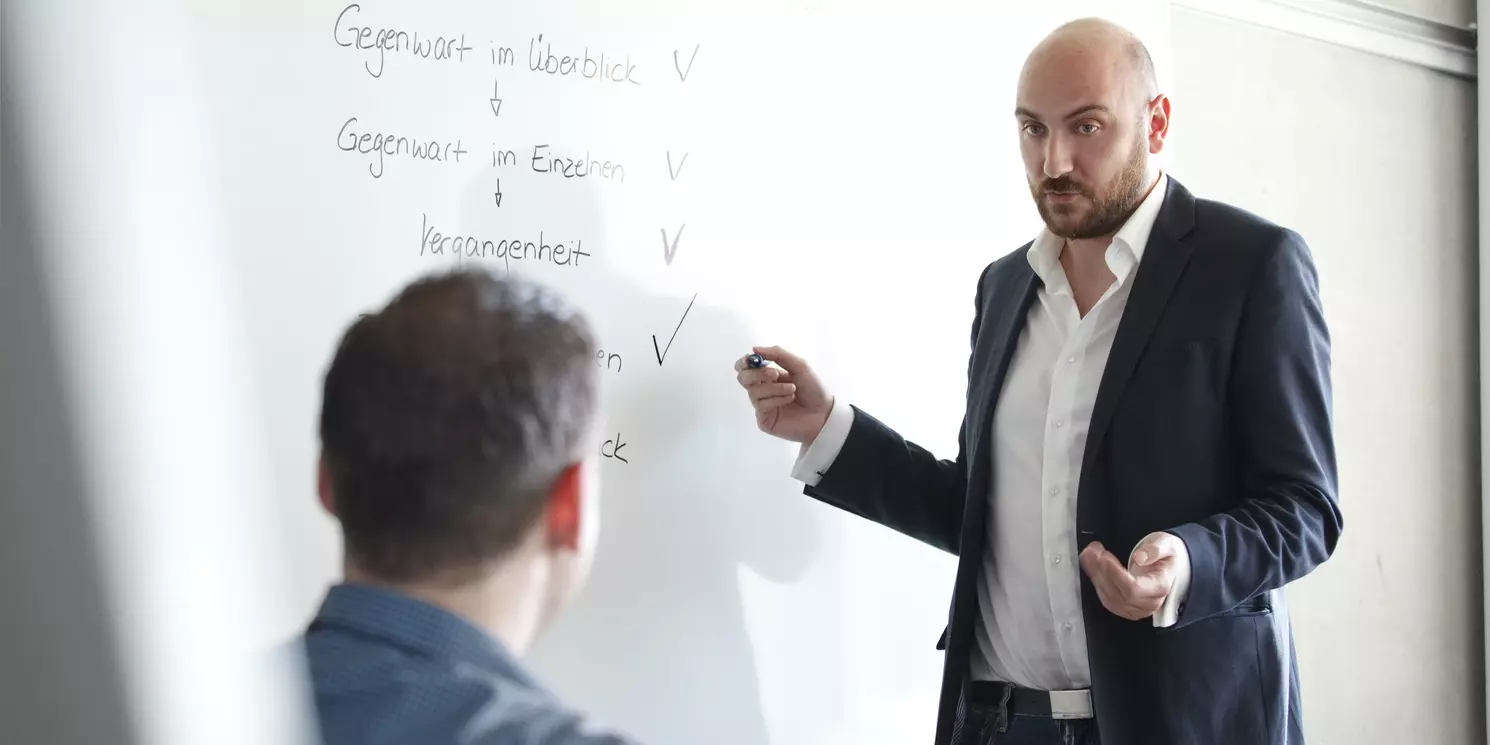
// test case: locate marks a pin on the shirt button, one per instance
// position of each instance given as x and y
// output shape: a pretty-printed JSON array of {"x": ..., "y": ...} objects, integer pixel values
[
  {"x": 1054, "y": 491},
  {"x": 1059, "y": 423},
  {"x": 1066, "y": 626},
  {"x": 1055, "y": 559},
  {"x": 1070, "y": 359}
]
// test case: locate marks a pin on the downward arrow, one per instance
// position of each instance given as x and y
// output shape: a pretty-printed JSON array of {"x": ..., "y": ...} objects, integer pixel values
[
  {"x": 671, "y": 172},
  {"x": 498, "y": 193},
  {"x": 669, "y": 249},
  {"x": 683, "y": 74},
  {"x": 496, "y": 103}
]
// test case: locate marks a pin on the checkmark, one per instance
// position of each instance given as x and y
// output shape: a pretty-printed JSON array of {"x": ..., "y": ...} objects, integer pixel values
[
  {"x": 683, "y": 74},
  {"x": 672, "y": 171},
  {"x": 662, "y": 351},
  {"x": 671, "y": 249}
]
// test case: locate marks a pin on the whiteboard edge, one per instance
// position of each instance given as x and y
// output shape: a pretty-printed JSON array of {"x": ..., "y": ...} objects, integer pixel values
[{"x": 1484, "y": 282}]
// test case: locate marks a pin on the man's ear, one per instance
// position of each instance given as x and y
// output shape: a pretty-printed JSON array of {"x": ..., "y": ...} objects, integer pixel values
[
  {"x": 323, "y": 486},
  {"x": 1158, "y": 123},
  {"x": 566, "y": 508}
]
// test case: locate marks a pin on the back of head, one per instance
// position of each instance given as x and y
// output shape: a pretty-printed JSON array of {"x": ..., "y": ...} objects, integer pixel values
[{"x": 447, "y": 418}]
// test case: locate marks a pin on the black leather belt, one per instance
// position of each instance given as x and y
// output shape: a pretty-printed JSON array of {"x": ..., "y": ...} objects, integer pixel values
[{"x": 1030, "y": 702}]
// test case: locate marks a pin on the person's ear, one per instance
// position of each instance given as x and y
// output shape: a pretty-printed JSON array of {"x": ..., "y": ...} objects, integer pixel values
[
  {"x": 323, "y": 486},
  {"x": 565, "y": 514},
  {"x": 1158, "y": 123}
]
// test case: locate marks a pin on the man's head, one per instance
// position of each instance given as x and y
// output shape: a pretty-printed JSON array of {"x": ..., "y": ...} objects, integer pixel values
[
  {"x": 1089, "y": 113},
  {"x": 457, "y": 431}
]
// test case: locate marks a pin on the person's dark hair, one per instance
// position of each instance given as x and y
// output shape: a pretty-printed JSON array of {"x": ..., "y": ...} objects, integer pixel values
[{"x": 447, "y": 417}]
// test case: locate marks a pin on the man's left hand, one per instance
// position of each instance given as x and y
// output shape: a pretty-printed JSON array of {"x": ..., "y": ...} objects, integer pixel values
[{"x": 1138, "y": 590}]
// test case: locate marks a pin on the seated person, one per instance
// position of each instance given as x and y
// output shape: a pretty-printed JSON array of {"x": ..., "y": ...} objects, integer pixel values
[{"x": 458, "y": 430}]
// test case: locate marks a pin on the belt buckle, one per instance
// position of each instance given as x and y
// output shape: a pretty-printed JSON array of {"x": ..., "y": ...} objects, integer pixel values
[{"x": 1071, "y": 704}]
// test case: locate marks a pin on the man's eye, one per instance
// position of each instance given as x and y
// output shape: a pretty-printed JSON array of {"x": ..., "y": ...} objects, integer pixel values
[
  {"x": 1033, "y": 130},
  {"x": 1086, "y": 129}
]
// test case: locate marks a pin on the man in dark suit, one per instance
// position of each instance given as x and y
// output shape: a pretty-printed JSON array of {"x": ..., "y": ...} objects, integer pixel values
[
  {"x": 458, "y": 439},
  {"x": 1148, "y": 396}
]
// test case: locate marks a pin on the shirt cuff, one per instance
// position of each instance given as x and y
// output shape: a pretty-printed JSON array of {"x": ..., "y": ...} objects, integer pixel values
[
  {"x": 816, "y": 457},
  {"x": 1169, "y": 613}
]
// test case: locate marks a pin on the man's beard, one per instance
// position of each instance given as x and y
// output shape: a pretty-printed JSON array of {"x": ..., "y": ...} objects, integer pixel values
[{"x": 1108, "y": 212}]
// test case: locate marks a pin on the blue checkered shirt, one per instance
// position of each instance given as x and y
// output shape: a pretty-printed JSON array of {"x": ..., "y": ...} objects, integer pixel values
[{"x": 388, "y": 669}]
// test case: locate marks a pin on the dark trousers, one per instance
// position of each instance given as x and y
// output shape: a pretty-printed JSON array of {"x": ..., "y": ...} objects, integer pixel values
[{"x": 990, "y": 722}]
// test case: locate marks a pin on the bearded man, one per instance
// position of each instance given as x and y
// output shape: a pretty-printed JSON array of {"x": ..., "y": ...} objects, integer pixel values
[{"x": 1146, "y": 458}]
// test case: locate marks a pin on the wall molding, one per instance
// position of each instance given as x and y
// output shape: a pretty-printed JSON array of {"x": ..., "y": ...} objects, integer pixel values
[{"x": 1359, "y": 25}]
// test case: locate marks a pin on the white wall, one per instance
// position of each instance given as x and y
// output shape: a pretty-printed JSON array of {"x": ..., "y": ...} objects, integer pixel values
[{"x": 1373, "y": 161}]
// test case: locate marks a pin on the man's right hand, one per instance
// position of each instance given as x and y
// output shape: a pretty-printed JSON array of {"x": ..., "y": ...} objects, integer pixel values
[{"x": 790, "y": 402}]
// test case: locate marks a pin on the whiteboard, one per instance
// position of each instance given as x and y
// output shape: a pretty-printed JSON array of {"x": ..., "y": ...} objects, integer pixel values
[{"x": 830, "y": 176}]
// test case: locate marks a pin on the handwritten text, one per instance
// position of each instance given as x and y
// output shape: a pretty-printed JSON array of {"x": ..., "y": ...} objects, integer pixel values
[
  {"x": 541, "y": 251},
  {"x": 348, "y": 139},
  {"x": 567, "y": 167},
  {"x": 348, "y": 34},
  {"x": 597, "y": 66}
]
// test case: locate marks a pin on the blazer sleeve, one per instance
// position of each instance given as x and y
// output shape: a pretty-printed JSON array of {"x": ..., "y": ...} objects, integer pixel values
[
  {"x": 1279, "y": 401},
  {"x": 883, "y": 477}
]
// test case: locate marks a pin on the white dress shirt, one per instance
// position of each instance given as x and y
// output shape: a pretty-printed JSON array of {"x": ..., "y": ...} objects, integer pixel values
[{"x": 1029, "y": 591}]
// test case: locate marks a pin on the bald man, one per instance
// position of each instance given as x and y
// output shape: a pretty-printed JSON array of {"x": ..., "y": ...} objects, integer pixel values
[{"x": 1146, "y": 458}]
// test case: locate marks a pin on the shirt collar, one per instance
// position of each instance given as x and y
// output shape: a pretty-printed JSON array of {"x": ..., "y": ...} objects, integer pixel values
[
  {"x": 417, "y": 626},
  {"x": 1125, "y": 251}
]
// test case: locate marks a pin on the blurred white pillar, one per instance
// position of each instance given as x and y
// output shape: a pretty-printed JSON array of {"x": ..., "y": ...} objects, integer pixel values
[{"x": 137, "y": 561}]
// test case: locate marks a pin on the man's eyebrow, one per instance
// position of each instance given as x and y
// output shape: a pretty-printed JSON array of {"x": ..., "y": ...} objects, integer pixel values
[
  {"x": 1094, "y": 108},
  {"x": 1087, "y": 109}
]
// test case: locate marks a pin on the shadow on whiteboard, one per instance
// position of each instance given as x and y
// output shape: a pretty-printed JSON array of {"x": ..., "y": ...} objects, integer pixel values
[{"x": 657, "y": 643}]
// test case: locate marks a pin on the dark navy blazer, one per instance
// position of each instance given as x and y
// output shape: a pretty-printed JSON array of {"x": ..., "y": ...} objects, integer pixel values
[{"x": 1212, "y": 421}]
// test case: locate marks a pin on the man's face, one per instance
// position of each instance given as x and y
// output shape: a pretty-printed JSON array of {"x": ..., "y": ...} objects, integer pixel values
[{"x": 1085, "y": 139}]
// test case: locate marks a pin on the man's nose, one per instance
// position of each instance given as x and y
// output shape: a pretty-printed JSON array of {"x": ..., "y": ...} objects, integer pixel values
[{"x": 1057, "y": 157}]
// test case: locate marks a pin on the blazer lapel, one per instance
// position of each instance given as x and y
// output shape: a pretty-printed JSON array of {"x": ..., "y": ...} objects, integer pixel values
[
  {"x": 1005, "y": 307},
  {"x": 1164, "y": 260}
]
